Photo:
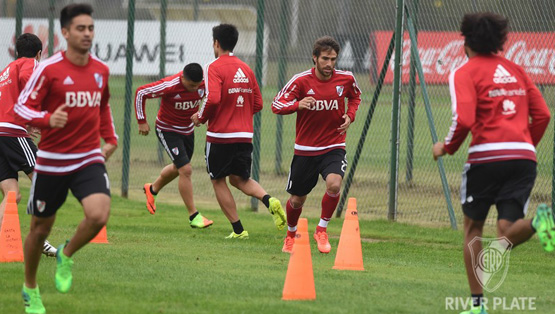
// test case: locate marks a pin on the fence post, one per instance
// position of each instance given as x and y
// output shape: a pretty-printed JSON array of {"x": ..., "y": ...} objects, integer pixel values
[
  {"x": 51, "y": 17},
  {"x": 365, "y": 128},
  {"x": 394, "y": 164},
  {"x": 412, "y": 102},
  {"x": 162, "y": 71},
  {"x": 282, "y": 70},
  {"x": 431, "y": 123},
  {"x": 257, "y": 117},
  {"x": 18, "y": 18},
  {"x": 129, "y": 53},
  {"x": 195, "y": 10}
]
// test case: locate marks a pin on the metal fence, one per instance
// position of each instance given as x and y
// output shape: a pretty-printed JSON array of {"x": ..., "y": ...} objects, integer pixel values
[{"x": 395, "y": 174}]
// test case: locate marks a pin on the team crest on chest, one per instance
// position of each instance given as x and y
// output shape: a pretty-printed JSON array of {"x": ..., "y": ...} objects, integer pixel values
[
  {"x": 339, "y": 90},
  {"x": 98, "y": 79},
  {"x": 200, "y": 92}
]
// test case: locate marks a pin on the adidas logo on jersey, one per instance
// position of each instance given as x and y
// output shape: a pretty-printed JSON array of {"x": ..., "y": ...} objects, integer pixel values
[
  {"x": 177, "y": 96},
  {"x": 5, "y": 75},
  {"x": 68, "y": 81},
  {"x": 502, "y": 76},
  {"x": 311, "y": 92},
  {"x": 240, "y": 77}
]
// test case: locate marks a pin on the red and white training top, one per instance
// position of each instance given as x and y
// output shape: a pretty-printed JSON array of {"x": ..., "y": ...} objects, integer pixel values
[
  {"x": 317, "y": 126},
  {"x": 55, "y": 82},
  {"x": 177, "y": 106},
  {"x": 232, "y": 98},
  {"x": 12, "y": 80},
  {"x": 496, "y": 101}
]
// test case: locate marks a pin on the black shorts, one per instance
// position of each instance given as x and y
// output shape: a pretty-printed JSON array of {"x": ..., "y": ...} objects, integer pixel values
[
  {"x": 304, "y": 171},
  {"x": 223, "y": 160},
  {"x": 49, "y": 192},
  {"x": 179, "y": 147},
  {"x": 16, "y": 154},
  {"x": 507, "y": 184}
]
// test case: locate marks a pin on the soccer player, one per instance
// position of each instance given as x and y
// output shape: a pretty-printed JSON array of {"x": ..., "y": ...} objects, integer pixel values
[
  {"x": 232, "y": 98},
  {"x": 494, "y": 100},
  {"x": 318, "y": 97},
  {"x": 67, "y": 97},
  {"x": 181, "y": 96},
  {"x": 17, "y": 150}
]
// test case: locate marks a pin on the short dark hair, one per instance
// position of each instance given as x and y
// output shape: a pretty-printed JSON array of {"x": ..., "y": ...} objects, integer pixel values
[
  {"x": 227, "y": 35},
  {"x": 325, "y": 43},
  {"x": 27, "y": 45},
  {"x": 484, "y": 32},
  {"x": 73, "y": 10},
  {"x": 193, "y": 72}
]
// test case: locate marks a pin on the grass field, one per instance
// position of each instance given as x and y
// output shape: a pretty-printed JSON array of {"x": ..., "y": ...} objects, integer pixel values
[{"x": 157, "y": 264}]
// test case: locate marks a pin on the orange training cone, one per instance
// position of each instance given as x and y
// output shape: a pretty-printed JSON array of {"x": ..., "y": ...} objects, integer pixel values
[
  {"x": 11, "y": 248},
  {"x": 299, "y": 281},
  {"x": 101, "y": 237},
  {"x": 349, "y": 251}
]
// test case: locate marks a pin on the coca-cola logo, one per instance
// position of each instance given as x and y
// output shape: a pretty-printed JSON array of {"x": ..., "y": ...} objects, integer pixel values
[
  {"x": 533, "y": 60},
  {"x": 442, "y": 52},
  {"x": 42, "y": 34}
]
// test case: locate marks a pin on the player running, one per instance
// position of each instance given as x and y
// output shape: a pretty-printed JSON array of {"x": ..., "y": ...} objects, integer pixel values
[
  {"x": 67, "y": 97},
  {"x": 318, "y": 97},
  {"x": 17, "y": 150},
  {"x": 181, "y": 96},
  {"x": 496, "y": 101},
  {"x": 232, "y": 98}
]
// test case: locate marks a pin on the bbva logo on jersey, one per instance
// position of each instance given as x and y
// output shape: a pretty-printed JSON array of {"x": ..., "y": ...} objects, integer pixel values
[
  {"x": 185, "y": 105},
  {"x": 320, "y": 105},
  {"x": 82, "y": 99}
]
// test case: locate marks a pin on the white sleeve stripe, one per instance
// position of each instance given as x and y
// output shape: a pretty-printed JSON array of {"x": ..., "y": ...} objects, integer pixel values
[
  {"x": 453, "y": 106},
  {"x": 206, "y": 90},
  {"x": 34, "y": 77},
  {"x": 293, "y": 79},
  {"x": 151, "y": 90},
  {"x": 28, "y": 114}
]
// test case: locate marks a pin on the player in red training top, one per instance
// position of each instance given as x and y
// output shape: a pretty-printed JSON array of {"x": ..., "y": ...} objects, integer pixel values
[
  {"x": 318, "y": 97},
  {"x": 67, "y": 97},
  {"x": 17, "y": 150},
  {"x": 496, "y": 101},
  {"x": 232, "y": 98},
  {"x": 181, "y": 96}
]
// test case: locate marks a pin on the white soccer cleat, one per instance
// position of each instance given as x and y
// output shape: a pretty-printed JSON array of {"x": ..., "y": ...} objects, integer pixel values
[{"x": 48, "y": 249}]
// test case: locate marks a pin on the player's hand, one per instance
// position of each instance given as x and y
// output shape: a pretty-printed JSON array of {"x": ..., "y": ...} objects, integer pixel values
[
  {"x": 306, "y": 102},
  {"x": 195, "y": 119},
  {"x": 33, "y": 132},
  {"x": 343, "y": 128},
  {"x": 58, "y": 119},
  {"x": 107, "y": 150},
  {"x": 144, "y": 128},
  {"x": 438, "y": 150}
]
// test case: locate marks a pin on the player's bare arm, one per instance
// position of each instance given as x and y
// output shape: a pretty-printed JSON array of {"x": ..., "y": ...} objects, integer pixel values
[
  {"x": 144, "y": 128},
  {"x": 58, "y": 119},
  {"x": 306, "y": 102},
  {"x": 343, "y": 128}
]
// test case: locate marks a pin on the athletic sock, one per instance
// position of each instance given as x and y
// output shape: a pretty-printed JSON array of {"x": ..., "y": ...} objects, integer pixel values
[
  {"x": 193, "y": 216},
  {"x": 266, "y": 200},
  {"x": 477, "y": 299},
  {"x": 329, "y": 203},
  {"x": 152, "y": 192},
  {"x": 293, "y": 214},
  {"x": 291, "y": 231},
  {"x": 237, "y": 227},
  {"x": 320, "y": 228}
]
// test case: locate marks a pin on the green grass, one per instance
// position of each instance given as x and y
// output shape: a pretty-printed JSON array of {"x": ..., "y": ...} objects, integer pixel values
[{"x": 157, "y": 264}]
